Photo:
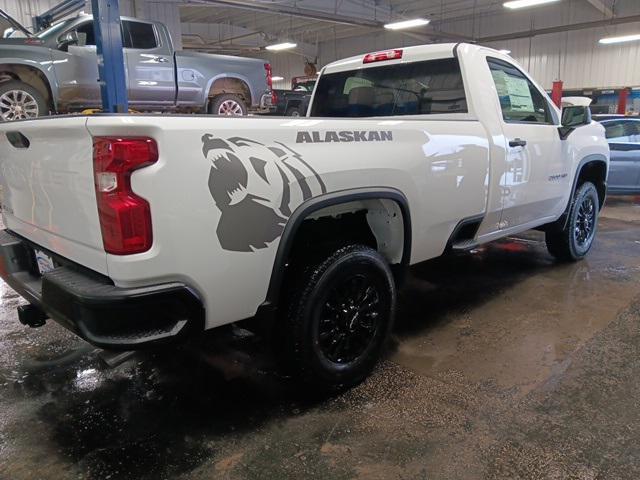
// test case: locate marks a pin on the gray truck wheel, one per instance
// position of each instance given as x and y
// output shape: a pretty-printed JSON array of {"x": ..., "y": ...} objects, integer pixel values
[
  {"x": 338, "y": 318},
  {"x": 293, "y": 112},
  {"x": 575, "y": 240},
  {"x": 227, "y": 104},
  {"x": 20, "y": 101}
]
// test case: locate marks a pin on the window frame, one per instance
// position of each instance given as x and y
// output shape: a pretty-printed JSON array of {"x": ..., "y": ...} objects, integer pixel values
[
  {"x": 86, "y": 22},
  {"x": 551, "y": 113},
  {"x": 153, "y": 29}
]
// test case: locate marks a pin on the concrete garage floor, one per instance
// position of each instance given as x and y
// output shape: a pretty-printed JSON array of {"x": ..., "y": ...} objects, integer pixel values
[{"x": 503, "y": 365}]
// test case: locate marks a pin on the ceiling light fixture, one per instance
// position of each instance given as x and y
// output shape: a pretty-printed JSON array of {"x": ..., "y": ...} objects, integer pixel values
[
  {"x": 281, "y": 46},
  {"x": 622, "y": 39},
  {"x": 526, "y": 3},
  {"x": 416, "y": 22}
]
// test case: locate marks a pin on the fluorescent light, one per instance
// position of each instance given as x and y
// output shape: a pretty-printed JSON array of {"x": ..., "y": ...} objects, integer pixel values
[
  {"x": 624, "y": 38},
  {"x": 506, "y": 52},
  {"x": 526, "y": 3},
  {"x": 416, "y": 22},
  {"x": 276, "y": 78},
  {"x": 281, "y": 46}
]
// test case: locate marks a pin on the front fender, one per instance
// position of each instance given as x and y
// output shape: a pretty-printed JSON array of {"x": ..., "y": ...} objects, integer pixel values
[{"x": 37, "y": 58}]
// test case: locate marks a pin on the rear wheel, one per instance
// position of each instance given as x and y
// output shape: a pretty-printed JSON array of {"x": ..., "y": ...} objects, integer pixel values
[
  {"x": 575, "y": 240},
  {"x": 339, "y": 318},
  {"x": 20, "y": 101},
  {"x": 228, "y": 104},
  {"x": 293, "y": 112}
]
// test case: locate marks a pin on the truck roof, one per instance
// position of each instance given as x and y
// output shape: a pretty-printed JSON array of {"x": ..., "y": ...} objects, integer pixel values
[{"x": 409, "y": 54}]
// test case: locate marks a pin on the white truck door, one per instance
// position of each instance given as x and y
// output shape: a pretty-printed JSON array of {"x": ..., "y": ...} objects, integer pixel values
[
  {"x": 537, "y": 175},
  {"x": 150, "y": 65}
]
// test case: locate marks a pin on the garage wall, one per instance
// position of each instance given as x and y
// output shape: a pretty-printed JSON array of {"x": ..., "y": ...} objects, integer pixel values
[
  {"x": 575, "y": 56},
  {"x": 578, "y": 59},
  {"x": 24, "y": 10}
]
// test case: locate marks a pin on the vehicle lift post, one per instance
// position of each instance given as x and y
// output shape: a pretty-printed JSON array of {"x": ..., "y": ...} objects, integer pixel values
[{"x": 108, "y": 33}]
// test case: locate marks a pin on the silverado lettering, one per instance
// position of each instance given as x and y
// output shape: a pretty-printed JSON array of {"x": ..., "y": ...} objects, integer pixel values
[{"x": 345, "y": 136}]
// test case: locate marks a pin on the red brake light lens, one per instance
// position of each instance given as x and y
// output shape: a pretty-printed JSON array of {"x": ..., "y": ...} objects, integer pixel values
[
  {"x": 125, "y": 218},
  {"x": 269, "y": 72},
  {"x": 382, "y": 56}
]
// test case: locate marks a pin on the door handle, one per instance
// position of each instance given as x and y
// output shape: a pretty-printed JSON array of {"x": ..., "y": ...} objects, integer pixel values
[
  {"x": 517, "y": 142},
  {"x": 160, "y": 60}
]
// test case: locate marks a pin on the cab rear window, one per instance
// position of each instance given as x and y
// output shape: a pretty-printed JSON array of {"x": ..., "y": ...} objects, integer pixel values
[{"x": 418, "y": 88}]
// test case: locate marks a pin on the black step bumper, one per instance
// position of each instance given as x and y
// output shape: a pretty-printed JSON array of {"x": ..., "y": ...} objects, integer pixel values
[{"x": 88, "y": 303}]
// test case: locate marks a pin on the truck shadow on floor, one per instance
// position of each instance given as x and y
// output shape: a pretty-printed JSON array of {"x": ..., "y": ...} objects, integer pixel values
[{"x": 162, "y": 414}]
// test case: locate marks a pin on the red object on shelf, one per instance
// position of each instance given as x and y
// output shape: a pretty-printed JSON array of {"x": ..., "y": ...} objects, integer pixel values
[
  {"x": 556, "y": 93},
  {"x": 622, "y": 101}
]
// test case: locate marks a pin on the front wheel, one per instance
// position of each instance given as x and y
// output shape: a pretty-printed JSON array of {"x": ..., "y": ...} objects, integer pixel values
[
  {"x": 339, "y": 318},
  {"x": 575, "y": 240},
  {"x": 228, "y": 104},
  {"x": 20, "y": 101}
]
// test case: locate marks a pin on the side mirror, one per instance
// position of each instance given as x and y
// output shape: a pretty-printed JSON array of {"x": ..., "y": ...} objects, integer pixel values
[
  {"x": 67, "y": 39},
  {"x": 572, "y": 118},
  {"x": 576, "y": 116}
]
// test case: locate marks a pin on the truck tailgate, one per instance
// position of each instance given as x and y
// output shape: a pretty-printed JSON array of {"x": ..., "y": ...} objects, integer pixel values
[{"x": 48, "y": 193}]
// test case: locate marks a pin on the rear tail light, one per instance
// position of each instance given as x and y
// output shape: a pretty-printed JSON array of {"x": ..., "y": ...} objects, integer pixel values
[
  {"x": 269, "y": 73},
  {"x": 382, "y": 56},
  {"x": 125, "y": 218}
]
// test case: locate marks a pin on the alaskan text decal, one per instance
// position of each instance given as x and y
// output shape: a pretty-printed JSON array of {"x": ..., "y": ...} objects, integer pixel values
[
  {"x": 256, "y": 187},
  {"x": 345, "y": 136}
]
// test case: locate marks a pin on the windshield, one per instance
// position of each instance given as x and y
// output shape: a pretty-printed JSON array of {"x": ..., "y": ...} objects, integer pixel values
[{"x": 53, "y": 30}]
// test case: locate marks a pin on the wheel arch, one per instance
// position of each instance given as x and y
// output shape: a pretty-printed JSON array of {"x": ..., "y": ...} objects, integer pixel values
[
  {"x": 30, "y": 75},
  {"x": 230, "y": 84},
  {"x": 591, "y": 168},
  {"x": 323, "y": 205}
]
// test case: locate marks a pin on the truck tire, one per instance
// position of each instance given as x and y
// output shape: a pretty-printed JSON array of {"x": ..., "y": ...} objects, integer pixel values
[
  {"x": 338, "y": 318},
  {"x": 20, "y": 101},
  {"x": 574, "y": 241},
  {"x": 293, "y": 112},
  {"x": 228, "y": 104}
]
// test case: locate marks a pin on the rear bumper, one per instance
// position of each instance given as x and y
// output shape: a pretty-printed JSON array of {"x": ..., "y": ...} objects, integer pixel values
[
  {"x": 265, "y": 102},
  {"x": 89, "y": 305}
]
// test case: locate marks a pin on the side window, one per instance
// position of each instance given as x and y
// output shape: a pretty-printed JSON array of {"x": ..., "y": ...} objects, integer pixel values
[
  {"x": 634, "y": 131},
  {"x": 415, "y": 88},
  {"x": 139, "y": 35},
  {"x": 85, "y": 34},
  {"x": 520, "y": 100},
  {"x": 622, "y": 131},
  {"x": 614, "y": 131}
]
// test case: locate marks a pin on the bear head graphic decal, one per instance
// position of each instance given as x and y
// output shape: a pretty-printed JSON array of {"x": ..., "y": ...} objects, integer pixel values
[{"x": 255, "y": 187}]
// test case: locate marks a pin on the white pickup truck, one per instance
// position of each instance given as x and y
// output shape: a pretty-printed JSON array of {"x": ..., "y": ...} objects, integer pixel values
[{"x": 136, "y": 230}]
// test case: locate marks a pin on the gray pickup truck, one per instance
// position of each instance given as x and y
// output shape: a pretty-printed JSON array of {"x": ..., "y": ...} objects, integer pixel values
[{"x": 56, "y": 71}]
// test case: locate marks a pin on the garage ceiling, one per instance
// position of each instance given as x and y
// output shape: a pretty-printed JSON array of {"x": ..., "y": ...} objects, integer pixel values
[{"x": 315, "y": 21}]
